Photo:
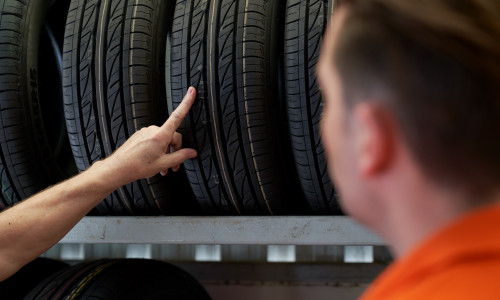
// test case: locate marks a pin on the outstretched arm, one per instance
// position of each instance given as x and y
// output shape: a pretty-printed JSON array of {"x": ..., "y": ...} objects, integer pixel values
[{"x": 34, "y": 225}]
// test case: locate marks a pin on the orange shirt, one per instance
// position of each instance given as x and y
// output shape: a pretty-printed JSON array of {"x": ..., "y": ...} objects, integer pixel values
[{"x": 462, "y": 261}]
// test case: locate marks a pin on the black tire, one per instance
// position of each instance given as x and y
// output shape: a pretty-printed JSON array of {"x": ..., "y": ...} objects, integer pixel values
[
  {"x": 33, "y": 151},
  {"x": 121, "y": 279},
  {"x": 20, "y": 284},
  {"x": 305, "y": 24},
  {"x": 114, "y": 84},
  {"x": 60, "y": 283},
  {"x": 228, "y": 50}
]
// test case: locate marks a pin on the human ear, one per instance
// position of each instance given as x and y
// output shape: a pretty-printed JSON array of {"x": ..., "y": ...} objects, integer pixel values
[{"x": 373, "y": 138}]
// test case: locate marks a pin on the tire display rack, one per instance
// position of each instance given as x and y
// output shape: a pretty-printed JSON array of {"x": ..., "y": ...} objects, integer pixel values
[
  {"x": 106, "y": 56},
  {"x": 319, "y": 266},
  {"x": 203, "y": 56},
  {"x": 276, "y": 230}
]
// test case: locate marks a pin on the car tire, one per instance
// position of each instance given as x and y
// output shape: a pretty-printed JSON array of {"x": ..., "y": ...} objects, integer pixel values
[
  {"x": 120, "y": 279},
  {"x": 23, "y": 281},
  {"x": 114, "y": 85},
  {"x": 230, "y": 51},
  {"x": 34, "y": 146},
  {"x": 305, "y": 24}
]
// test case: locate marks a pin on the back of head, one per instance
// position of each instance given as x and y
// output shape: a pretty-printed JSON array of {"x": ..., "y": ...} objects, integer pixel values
[{"x": 435, "y": 64}]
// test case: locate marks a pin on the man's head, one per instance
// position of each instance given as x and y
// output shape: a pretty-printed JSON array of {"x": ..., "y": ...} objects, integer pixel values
[{"x": 412, "y": 88}]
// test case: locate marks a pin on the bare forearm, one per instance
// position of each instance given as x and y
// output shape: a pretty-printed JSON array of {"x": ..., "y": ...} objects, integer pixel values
[
  {"x": 33, "y": 226},
  {"x": 39, "y": 222}
]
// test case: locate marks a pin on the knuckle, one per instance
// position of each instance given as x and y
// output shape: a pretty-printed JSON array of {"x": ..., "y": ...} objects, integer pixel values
[
  {"x": 176, "y": 115},
  {"x": 156, "y": 139}
]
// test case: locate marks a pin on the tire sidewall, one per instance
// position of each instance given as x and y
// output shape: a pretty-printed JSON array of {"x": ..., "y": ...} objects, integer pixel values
[{"x": 36, "y": 10}]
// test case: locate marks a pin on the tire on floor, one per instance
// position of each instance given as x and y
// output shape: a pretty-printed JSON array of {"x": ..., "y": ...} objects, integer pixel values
[
  {"x": 28, "y": 277},
  {"x": 120, "y": 279}
]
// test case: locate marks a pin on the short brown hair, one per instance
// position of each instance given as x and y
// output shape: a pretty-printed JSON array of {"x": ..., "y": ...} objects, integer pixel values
[{"x": 438, "y": 64}]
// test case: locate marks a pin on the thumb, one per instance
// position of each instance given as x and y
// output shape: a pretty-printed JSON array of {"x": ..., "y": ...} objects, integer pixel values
[{"x": 176, "y": 158}]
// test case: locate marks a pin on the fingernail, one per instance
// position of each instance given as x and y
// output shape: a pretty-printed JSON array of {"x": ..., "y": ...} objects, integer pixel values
[{"x": 190, "y": 90}]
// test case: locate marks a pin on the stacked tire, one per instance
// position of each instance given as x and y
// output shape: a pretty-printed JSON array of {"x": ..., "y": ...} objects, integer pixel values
[
  {"x": 227, "y": 50},
  {"x": 113, "y": 77},
  {"x": 248, "y": 111},
  {"x": 126, "y": 64},
  {"x": 305, "y": 24},
  {"x": 34, "y": 148}
]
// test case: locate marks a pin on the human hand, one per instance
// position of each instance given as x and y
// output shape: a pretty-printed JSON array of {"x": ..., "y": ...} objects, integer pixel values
[{"x": 154, "y": 149}]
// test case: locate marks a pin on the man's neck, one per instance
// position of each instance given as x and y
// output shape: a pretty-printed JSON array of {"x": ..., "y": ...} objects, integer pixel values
[{"x": 424, "y": 215}]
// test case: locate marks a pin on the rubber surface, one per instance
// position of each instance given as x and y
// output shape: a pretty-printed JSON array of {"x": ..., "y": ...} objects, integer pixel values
[
  {"x": 229, "y": 50},
  {"x": 306, "y": 21},
  {"x": 28, "y": 162},
  {"x": 51, "y": 91},
  {"x": 120, "y": 279},
  {"x": 114, "y": 84},
  {"x": 20, "y": 284},
  {"x": 60, "y": 284}
]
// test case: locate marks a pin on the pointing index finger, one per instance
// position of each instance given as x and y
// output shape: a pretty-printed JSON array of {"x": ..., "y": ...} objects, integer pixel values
[{"x": 181, "y": 111}]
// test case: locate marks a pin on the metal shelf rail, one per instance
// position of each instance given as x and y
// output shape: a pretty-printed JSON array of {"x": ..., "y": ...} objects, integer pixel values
[
  {"x": 276, "y": 230},
  {"x": 318, "y": 257}
]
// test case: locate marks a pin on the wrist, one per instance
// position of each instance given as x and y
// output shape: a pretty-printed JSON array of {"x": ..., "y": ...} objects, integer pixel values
[{"x": 110, "y": 172}]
